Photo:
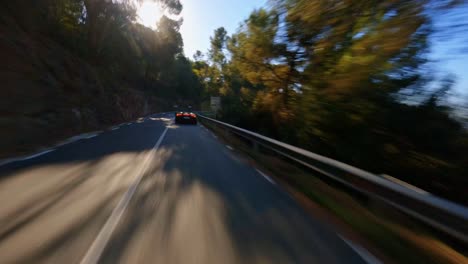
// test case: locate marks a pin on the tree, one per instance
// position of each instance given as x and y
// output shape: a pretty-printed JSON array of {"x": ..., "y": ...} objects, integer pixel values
[
  {"x": 329, "y": 75},
  {"x": 218, "y": 45},
  {"x": 100, "y": 13}
]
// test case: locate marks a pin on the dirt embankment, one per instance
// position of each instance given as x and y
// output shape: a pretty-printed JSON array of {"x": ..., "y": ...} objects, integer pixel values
[{"x": 48, "y": 93}]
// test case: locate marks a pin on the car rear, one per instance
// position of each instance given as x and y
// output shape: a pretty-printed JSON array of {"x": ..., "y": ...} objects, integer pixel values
[{"x": 186, "y": 118}]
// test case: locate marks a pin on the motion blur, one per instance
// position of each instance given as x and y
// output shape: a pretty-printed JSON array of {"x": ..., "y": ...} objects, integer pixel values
[{"x": 328, "y": 131}]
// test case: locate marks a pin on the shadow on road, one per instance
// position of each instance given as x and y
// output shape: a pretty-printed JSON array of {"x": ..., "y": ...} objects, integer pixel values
[
  {"x": 195, "y": 204},
  {"x": 201, "y": 206}
]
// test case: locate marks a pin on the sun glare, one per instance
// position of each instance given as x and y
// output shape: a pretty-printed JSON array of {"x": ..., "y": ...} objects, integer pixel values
[{"x": 149, "y": 14}]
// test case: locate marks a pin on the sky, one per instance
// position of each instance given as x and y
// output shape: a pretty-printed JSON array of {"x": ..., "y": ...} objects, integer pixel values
[
  {"x": 202, "y": 17},
  {"x": 449, "y": 50}
]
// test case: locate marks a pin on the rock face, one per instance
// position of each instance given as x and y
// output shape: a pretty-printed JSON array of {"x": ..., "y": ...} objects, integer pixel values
[{"x": 48, "y": 93}]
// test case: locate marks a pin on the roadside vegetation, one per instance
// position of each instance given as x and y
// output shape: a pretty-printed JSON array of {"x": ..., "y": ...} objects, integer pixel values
[
  {"x": 388, "y": 234},
  {"x": 346, "y": 79},
  {"x": 71, "y": 66},
  {"x": 349, "y": 80}
]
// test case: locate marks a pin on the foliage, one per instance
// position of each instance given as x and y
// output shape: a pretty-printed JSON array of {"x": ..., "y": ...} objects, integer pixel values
[
  {"x": 72, "y": 66},
  {"x": 329, "y": 76},
  {"x": 332, "y": 76},
  {"x": 107, "y": 35}
]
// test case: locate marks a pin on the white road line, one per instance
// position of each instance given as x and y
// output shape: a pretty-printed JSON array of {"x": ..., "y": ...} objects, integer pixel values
[
  {"x": 266, "y": 177},
  {"x": 73, "y": 139},
  {"x": 362, "y": 252},
  {"x": 60, "y": 144},
  {"x": 97, "y": 247},
  {"x": 115, "y": 128},
  {"x": 67, "y": 141},
  {"x": 37, "y": 154},
  {"x": 229, "y": 147},
  {"x": 4, "y": 162}
]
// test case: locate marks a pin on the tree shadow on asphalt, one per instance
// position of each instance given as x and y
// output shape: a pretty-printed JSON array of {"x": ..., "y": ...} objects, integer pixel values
[
  {"x": 137, "y": 138},
  {"x": 259, "y": 221},
  {"x": 225, "y": 210}
]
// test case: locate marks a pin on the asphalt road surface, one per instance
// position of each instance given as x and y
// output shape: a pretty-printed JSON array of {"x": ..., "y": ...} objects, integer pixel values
[{"x": 154, "y": 192}]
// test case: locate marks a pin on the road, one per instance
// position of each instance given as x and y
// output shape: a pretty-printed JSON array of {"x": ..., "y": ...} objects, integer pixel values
[{"x": 154, "y": 192}]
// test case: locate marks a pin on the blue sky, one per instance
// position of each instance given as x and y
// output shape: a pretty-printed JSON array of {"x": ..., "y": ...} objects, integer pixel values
[
  {"x": 202, "y": 17},
  {"x": 449, "y": 49}
]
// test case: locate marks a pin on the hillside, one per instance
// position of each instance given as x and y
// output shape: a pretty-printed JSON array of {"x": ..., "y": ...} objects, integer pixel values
[
  {"x": 49, "y": 93},
  {"x": 56, "y": 84}
]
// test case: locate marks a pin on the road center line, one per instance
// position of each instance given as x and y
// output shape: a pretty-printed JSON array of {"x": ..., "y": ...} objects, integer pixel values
[{"x": 97, "y": 247}]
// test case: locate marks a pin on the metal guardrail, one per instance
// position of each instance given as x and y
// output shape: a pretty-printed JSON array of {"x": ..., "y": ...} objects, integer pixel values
[{"x": 441, "y": 214}]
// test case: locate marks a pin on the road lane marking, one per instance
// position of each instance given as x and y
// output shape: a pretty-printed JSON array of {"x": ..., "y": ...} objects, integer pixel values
[
  {"x": 37, "y": 154},
  {"x": 115, "y": 128},
  {"x": 362, "y": 252},
  {"x": 266, "y": 177},
  {"x": 91, "y": 136},
  {"x": 77, "y": 138},
  {"x": 4, "y": 162},
  {"x": 229, "y": 147},
  {"x": 97, "y": 247},
  {"x": 69, "y": 140},
  {"x": 63, "y": 143}
]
